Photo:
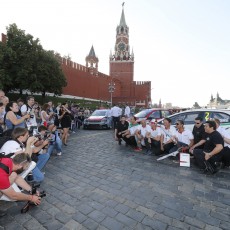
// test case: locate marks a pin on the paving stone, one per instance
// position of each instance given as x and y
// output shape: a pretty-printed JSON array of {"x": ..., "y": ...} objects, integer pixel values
[
  {"x": 138, "y": 216},
  {"x": 85, "y": 209},
  {"x": 211, "y": 220},
  {"x": 122, "y": 208},
  {"x": 112, "y": 224},
  {"x": 97, "y": 216},
  {"x": 33, "y": 224},
  {"x": 194, "y": 222},
  {"x": 13, "y": 225},
  {"x": 62, "y": 217},
  {"x": 225, "y": 225},
  {"x": 109, "y": 211},
  {"x": 52, "y": 225},
  {"x": 154, "y": 224},
  {"x": 90, "y": 224},
  {"x": 79, "y": 217},
  {"x": 126, "y": 220}
]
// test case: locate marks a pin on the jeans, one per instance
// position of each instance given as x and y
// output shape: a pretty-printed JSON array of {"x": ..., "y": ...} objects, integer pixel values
[
  {"x": 38, "y": 176},
  {"x": 42, "y": 160},
  {"x": 57, "y": 145}
]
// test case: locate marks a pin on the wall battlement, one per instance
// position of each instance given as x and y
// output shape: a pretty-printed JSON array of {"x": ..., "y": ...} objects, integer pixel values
[{"x": 142, "y": 82}]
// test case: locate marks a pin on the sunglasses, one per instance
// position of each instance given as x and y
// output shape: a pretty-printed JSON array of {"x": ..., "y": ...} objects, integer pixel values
[
  {"x": 197, "y": 123},
  {"x": 177, "y": 123}
]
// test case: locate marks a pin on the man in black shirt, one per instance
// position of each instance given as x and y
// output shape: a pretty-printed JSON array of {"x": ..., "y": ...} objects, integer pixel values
[
  {"x": 120, "y": 127},
  {"x": 199, "y": 135},
  {"x": 213, "y": 147}
]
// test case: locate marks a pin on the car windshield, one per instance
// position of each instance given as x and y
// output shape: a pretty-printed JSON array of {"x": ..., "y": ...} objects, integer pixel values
[
  {"x": 143, "y": 113},
  {"x": 99, "y": 113}
]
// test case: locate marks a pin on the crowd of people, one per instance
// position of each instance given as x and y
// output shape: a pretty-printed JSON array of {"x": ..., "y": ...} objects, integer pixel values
[
  {"x": 208, "y": 143},
  {"x": 29, "y": 134}
]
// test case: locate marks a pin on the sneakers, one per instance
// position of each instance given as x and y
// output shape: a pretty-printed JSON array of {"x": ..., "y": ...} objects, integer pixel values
[
  {"x": 148, "y": 152},
  {"x": 59, "y": 154},
  {"x": 138, "y": 149}
]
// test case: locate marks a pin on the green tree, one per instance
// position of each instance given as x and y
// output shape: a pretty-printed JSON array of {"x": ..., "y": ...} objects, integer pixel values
[
  {"x": 24, "y": 64},
  {"x": 24, "y": 49},
  {"x": 49, "y": 76}
]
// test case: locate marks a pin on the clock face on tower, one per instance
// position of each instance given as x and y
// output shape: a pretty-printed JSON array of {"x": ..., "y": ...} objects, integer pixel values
[{"x": 121, "y": 46}]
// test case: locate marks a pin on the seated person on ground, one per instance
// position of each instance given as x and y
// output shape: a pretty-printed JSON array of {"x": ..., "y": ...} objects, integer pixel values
[
  {"x": 141, "y": 132},
  {"x": 10, "y": 179},
  {"x": 129, "y": 135},
  {"x": 168, "y": 136},
  {"x": 152, "y": 140},
  {"x": 226, "y": 136},
  {"x": 199, "y": 135},
  {"x": 121, "y": 128},
  {"x": 213, "y": 148},
  {"x": 184, "y": 137}
]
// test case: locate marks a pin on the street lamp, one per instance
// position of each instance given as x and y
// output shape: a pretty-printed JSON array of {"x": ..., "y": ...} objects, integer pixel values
[{"x": 111, "y": 90}]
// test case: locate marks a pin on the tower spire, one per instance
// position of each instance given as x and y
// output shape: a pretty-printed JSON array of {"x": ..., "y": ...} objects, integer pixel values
[
  {"x": 92, "y": 61},
  {"x": 122, "y": 20}
]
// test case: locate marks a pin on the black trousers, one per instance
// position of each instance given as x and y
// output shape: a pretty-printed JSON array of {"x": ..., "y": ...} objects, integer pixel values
[
  {"x": 115, "y": 120},
  {"x": 199, "y": 157},
  {"x": 226, "y": 156},
  {"x": 167, "y": 147},
  {"x": 130, "y": 141},
  {"x": 154, "y": 146}
]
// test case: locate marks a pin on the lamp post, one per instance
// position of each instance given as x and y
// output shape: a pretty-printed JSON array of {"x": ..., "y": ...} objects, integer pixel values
[{"x": 111, "y": 90}]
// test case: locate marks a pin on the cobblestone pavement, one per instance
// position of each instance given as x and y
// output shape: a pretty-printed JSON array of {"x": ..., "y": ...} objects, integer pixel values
[{"x": 97, "y": 184}]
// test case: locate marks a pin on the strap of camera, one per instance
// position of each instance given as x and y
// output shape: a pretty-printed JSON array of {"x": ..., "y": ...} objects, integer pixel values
[{"x": 5, "y": 168}]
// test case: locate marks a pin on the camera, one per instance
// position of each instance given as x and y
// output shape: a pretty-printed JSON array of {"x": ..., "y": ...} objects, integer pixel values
[{"x": 33, "y": 192}]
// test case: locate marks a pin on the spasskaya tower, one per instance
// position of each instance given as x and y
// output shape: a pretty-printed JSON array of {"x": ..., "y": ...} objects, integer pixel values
[{"x": 122, "y": 59}]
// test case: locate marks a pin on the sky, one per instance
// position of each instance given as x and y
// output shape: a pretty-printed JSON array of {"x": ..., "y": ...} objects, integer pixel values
[{"x": 181, "y": 46}]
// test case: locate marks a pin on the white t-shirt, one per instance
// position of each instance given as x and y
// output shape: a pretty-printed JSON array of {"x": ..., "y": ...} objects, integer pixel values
[
  {"x": 185, "y": 137},
  {"x": 155, "y": 133},
  {"x": 224, "y": 134},
  {"x": 31, "y": 121},
  {"x": 144, "y": 130},
  {"x": 115, "y": 111},
  {"x": 133, "y": 129},
  {"x": 11, "y": 146},
  {"x": 168, "y": 133}
]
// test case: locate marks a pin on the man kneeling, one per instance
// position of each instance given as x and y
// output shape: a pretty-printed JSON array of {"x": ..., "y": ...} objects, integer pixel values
[{"x": 10, "y": 180}]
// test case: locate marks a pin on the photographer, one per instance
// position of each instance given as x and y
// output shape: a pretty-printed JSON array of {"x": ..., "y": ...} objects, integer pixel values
[
  {"x": 28, "y": 109},
  {"x": 10, "y": 180},
  {"x": 12, "y": 119},
  {"x": 16, "y": 145},
  {"x": 46, "y": 115},
  {"x": 53, "y": 137}
]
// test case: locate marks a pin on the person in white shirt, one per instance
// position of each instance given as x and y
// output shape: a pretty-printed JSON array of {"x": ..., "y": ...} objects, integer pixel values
[
  {"x": 226, "y": 137},
  {"x": 109, "y": 118},
  {"x": 141, "y": 132},
  {"x": 127, "y": 111},
  {"x": 183, "y": 137},
  {"x": 168, "y": 136},
  {"x": 28, "y": 109},
  {"x": 152, "y": 140},
  {"x": 129, "y": 135},
  {"x": 115, "y": 114}
]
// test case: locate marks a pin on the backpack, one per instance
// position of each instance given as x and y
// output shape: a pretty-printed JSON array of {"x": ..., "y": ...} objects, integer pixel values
[{"x": 6, "y": 136}]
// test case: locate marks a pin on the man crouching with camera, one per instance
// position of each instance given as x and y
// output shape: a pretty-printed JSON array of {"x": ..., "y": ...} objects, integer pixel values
[{"x": 9, "y": 174}]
